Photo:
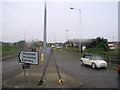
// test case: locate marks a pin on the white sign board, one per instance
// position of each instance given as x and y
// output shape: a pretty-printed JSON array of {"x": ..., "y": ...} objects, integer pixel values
[{"x": 28, "y": 57}]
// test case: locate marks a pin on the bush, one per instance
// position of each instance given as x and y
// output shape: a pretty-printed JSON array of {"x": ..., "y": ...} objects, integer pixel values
[{"x": 99, "y": 43}]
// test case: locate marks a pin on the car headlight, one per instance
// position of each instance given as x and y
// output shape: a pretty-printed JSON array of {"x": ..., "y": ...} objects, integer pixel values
[
  {"x": 103, "y": 64},
  {"x": 98, "y": 63}
]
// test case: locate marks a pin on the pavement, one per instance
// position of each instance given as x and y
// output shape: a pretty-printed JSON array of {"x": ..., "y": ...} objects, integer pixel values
[{"x": 36, "y": 72}]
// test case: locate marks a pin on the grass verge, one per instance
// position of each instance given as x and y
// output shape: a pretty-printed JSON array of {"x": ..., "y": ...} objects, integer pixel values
[
  {"x": 58, "y": 49},
  {"x": 9, "y": 50},
  {"x": 113, "y": 66}
]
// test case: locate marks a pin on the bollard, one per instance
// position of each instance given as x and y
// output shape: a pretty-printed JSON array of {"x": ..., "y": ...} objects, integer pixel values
[
  {"x": 42, "y": 57},
  {"x": 60, "y": 81}
]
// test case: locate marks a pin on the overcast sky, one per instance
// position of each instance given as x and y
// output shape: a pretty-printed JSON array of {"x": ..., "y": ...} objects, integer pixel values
[{"x": 25, "y": 20}]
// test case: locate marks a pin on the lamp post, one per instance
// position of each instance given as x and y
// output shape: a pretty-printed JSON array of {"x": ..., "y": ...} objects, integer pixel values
[
  {"x": 67, "y": 34},
  {"x": 80, "y": 24},
  {"x": 66, "y": 38}
]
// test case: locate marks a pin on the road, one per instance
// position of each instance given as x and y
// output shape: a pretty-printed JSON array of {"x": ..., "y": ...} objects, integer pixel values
[
  {"x": 10, "y": 68},
  {"x": 69, "y": 62}
]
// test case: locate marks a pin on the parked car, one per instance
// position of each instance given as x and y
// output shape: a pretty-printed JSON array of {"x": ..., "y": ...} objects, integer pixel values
[
  {"x": 93, "y": 60},
  {"x": 59, "y": 47}
]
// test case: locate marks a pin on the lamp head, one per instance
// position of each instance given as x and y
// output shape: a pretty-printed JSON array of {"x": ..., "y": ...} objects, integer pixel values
[{"x": 71, "y": 8}]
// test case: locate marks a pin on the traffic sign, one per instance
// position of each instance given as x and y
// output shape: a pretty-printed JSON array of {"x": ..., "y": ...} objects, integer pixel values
[
  {"x": 25, "y": 66},
  {"x": 30, "y": 57}
]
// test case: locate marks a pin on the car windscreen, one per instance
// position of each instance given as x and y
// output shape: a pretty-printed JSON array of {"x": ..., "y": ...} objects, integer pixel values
[
  {"x": 95, "y": 58},
  {"x": 88, "y": 56}
]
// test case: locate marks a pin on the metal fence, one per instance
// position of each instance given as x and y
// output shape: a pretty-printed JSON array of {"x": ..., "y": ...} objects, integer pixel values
[{"x": 112, "y": 60}]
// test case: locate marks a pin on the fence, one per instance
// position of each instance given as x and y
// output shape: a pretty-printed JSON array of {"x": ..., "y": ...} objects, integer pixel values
[{"x": 112, "y": 60}]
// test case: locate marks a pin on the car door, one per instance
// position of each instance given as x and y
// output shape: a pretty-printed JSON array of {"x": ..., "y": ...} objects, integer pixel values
[
  {"x": 84, "y": 59},
  {"x": 87, "y": 59},
  {"x": 89, "y": 62}
]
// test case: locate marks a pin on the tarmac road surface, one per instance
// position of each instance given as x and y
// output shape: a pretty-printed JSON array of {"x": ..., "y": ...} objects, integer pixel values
[
  {"x": 10, "y": 68},
  {"x": 69, "y": 62}
]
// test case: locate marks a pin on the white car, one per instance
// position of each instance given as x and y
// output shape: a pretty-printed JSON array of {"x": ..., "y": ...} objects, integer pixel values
[{"x": 94, "y": 61}]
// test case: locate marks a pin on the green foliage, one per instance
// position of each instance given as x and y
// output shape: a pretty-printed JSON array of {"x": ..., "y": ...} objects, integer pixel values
[
  {"x": 20, "y": 44},
  {"x": 58, "y": 49},
  {"x": 98, "y": 51},
  {"x": 113, "y": 53},
  {"x": 71, "y": 49},
  {"x": 7, "y": 49},
  {"x": 99, "y": 43}
]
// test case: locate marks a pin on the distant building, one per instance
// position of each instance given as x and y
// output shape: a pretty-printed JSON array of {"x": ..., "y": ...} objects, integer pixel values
[
  {"x": 114, "y": 45},
  {"x": 84, "y": 42},
  {"x": 40, "y": 43},
  {"x": 75, "y": 42}
]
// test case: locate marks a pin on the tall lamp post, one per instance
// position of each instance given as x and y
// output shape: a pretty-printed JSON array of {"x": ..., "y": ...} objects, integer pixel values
[
  {"x": 66, "y": 37},
  {"x": 67, "y": 34},
  {"x": 80, "y": 24}
]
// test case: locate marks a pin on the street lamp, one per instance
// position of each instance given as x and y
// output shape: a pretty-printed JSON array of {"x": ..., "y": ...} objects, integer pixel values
[
  {"x": 80, "y": 24},
  {"x": 67, "y": 34},
  {"x": 66, "y": 37},
  {"x": 71, "y": 8}
]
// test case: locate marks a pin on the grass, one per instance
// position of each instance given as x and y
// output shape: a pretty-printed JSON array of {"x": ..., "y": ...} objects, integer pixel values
[
  {"x": 113, "y": 66},
  {"x": 71, "y": 49},
  {"x": 9, "y": 50},
  {"x": 58, "y": 49}
]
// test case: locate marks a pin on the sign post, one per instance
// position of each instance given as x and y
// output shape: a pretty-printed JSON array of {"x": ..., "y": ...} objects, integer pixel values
[
  {"x": 29, "y": 73},
  {"x": 24, "y": 72},
  {"x": 28, "y": 58}
]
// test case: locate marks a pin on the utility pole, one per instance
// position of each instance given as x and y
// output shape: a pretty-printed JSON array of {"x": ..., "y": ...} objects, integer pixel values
[
  {"x": 67, "y": 34},
  {"x": 67, "y": 37},
  {"x": 80, "y": 27},
  {"x": 80, "y": 33},
  {"x": 25, "y": 39},
  {"x": 24, "y": 34},
  {"x": 44, "y": 43},
  {"x": 13, "y": 37},
  {"x": 113, "y": 38}
]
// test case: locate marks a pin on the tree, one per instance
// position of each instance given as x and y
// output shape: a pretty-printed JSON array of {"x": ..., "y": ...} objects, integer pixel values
[{"x": 100, "y": 43}]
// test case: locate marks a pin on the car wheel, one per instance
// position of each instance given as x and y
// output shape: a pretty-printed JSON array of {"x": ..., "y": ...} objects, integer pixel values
[
  {"x": 81, "y": 62},
  {"x": 105, "y": 68},
  {"x": 93, "y": 65}
]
